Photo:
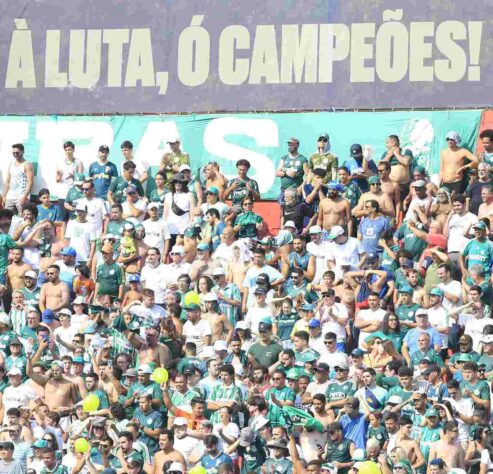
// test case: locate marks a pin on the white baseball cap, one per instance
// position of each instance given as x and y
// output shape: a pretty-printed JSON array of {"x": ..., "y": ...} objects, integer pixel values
[{"x": 220, "y": 345}]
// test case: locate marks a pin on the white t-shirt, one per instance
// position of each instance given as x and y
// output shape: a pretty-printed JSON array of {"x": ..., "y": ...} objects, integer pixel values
[
  {"x": 255, "y": 315},
  {"x": 96, "y": 212},
  {"x": 67, "y": 336},
  {"x": 466, "y": 407},
  {"x": 438, "y": 318},
  {"x": 196, "y": 332},
  {"x": 141, "y": 205},
  {"x": 457, "y": 225},
  {"x": 173, "y": 271},
  {"x": 178, "y": 224},
  {"x": 323, "y": 254},
  {"x": 14, "y": 397},
  {"x": 156, "y": 233},
  {"x": 185, "y": 446},
  {"x": 486, "y": 459},
  {"x": 139, "y": 168},
  {"x": 330, "y": 325},
  {"x": 154, "y": 314},
  {"x": 455, "y": 288},
  {"x": 314, "y": 387},
  {"x": 333, "y": 359},
  {"x": 474, "y": 327},
  {"x": 232, "y": 431},
  {"x": 368, "y": 315},
  {"x": 155, "y": 279},
  {"x": 415, "y": 203},
  {"x": 68, "y": 169},
  {"x": 81, "y": 234},
  {"x": 348, "y": 253}
]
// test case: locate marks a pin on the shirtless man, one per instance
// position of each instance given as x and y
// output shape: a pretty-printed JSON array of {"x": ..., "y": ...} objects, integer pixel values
[
  {"x": 447, "y": 448},
  {"x": 334, "y": 210},
  {"x": 77, "y": 374},
  {"x": 150, "y": 351},
  {"x": 387, "y": 207},
  {"x": 452, "y": 164},
  {"x": 16, "y": 270},
  {"x": 215, "y": 178},
  {"x": 486, "y": 208},
  {"x": 411, "y": 446},
  {"x": 167, "y": 453},
  {"x": 60, "y": 394},
  {"x": 388, "y": 186},
  {"x": 219, "y": 323},
  {"x": 203, "y": 264},
  {"x": 399, "y": 162},
  {"x": 54, "y": 294},
  {"x": 56, "y": 246}
]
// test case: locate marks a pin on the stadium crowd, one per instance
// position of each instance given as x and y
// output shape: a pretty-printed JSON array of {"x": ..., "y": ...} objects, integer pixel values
[{"x": 157, "y": 324}]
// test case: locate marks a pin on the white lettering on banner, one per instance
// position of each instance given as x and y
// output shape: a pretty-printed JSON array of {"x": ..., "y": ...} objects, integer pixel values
[
  {"x": 263, "y": 131},
  {"x": 390, "y": 52}
]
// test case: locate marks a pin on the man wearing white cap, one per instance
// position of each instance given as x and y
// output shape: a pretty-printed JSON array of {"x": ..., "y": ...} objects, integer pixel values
[
  {"x": 452, "y": 164},
  {"x": 81, "y": 235},
  {"x": 17, "y": 393},
  {"x": 31, "y": 289},
  {"x": 347, "y": 251},
  {"x": 177, "y": 267}
]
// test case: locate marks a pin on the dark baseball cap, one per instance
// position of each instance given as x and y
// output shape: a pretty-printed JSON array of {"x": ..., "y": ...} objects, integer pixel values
[
  {"x": 104, "y": 148},
  {"x": 356, "y": 150}
]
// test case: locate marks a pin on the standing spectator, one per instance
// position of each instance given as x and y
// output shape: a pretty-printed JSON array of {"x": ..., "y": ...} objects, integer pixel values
[
  {"x": 292, "y": 168},
  {"x": 19, "y": 181},
  {"x": 102, "y": 172},
  {"x": 372, "y": 226}
]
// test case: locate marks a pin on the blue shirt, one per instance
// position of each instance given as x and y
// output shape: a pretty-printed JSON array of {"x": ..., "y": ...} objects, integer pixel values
[
  {"x": 102, "y": 174},
  {"x": 411, "y": 338},
  {"x": 356, "y": 167},
  {"x": 355, "y": 429},
  {"x": 53, "y": 213},
  {"x": 211, "y": 464},
  {"x": 371, "y": 230}
]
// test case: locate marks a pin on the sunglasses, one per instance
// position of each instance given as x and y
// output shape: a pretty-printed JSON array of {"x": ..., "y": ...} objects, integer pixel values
[
  {"x": 329, "y": 342},
  {"x": 248, "y": 203},
  {"x": 338, "y": 369}
]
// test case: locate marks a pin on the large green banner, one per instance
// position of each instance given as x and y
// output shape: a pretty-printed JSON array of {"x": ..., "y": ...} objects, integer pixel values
[{"x": 260, "y": 138}]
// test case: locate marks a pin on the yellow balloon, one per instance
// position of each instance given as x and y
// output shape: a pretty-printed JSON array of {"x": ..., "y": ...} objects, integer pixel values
[
  {"x": 369, "y": 467},
  {"x": 82, "y": 445},
  {"x": 160, "y": 375},
  {"x": 197, "y": 470},
  {"x": 90, "y": 403},
  {"x": 192, "y": 298}
]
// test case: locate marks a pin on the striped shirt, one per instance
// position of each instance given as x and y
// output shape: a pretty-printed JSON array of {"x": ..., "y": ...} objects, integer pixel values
[
  {"x": 18, "y": 319},
  {"x": 232, "y": 292}
]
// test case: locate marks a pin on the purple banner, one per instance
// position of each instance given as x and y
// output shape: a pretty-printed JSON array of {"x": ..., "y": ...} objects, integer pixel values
[{"x": 182, "y": 56}]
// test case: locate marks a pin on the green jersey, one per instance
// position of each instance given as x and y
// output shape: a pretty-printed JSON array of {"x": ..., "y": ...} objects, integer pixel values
[
  {"x": 248, "y": 221},
  {"x": 152, "y": 388},
  {"x": 5, "y": 339},
  {"x": 174, "y": 159},
  {"x": 339, "y": 391},
  {"x": 109, "y": 278},
  {"x": 406, "y": 312},
  {"x": 487, "y": 361},
  {"x": 74, "y": 194},
  {"x": 474, "y": 356},
  {"x": 339, "y": 452},
  {"x": 31, "y": 298},
  {"x": 479, "y": 253},
  {"x": 279, "y": 466},
  {"x": 116, "y": 228},
  {"x": 293, "y": 164},
  {"x": 324, "y": 161},
  {"x": 119, "y": 185},
  {"x": 285, "y": 324},
  {"x": 480, "y": 389},
  {"x": 275, "y": 413},
  {"x": 241, "y": 191},
  {"x": 104, "y": 402},
  {"x": 379, "y": 433},
  {"x": 220, "y": 393},
  {"x": 6, "y": 243},
  {"x": 58, "y": 469},
  {"x": 253, "y": 457},
  {"x": 412, "y": 244},
  {"x": 151, "y": 420},
  {"x": 431, "y": 355},
  {"x": 428, "y": 436}
]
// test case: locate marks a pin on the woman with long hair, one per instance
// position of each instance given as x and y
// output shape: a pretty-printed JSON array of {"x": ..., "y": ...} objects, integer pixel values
[
  {"x": 391, "y": 327},
  {"x": 284, "y": 322},
  {"x": 475, "y": 447},
  {"x": 377, "y": 356},
  {"x": 159, "y": 192},
  {"x": 178, "y": 207}
]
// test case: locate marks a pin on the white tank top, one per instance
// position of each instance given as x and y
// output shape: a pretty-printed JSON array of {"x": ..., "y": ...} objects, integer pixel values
[{"x": 18, "y": 181}]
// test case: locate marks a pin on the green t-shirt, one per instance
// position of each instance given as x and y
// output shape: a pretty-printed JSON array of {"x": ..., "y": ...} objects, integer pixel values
[
  {"x": 265, "y": 355},
  {"x": 474, "y": 356},
  {"x": 428, "y": 436},
  {"x": 325, "y": 161},
  {"x": 296, "y": 164},
  {"x": 104, "y": 401},
  {"x": 241, "y": 191},
  {"x": 248, "y": 221},
  {"x": 109, "y": 277},
  {"x": 480, "y": 389},
  {"x": 74, "y": 194},
  {"x": 487, "y": 361},
  {"x": 6, "y": 243},
  {"x": 275, "y": 413},
  {"x": 339, "y": 391},
  {"x": 285, "y": 324},
  {"x": 152, "y": 420},
  {"x": 412, "y": 244},
  {"x": 119, "y": 185},
  {"x": 59, "y": 469},
  {"x": 279, "y": 466},
  {"x": 479, "y": 253},
  {"x": 339, "y": 452},
  {"x": 152, "y": 389},
  {"x": 380, "y": 434},
  {"x": 5, "y": 339},
  {"x": 406, "y": 313},
  {"x": 431, "y": 355},
  {"x": 188, "y": 363},
  {"x": 253, "y": 457}
]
